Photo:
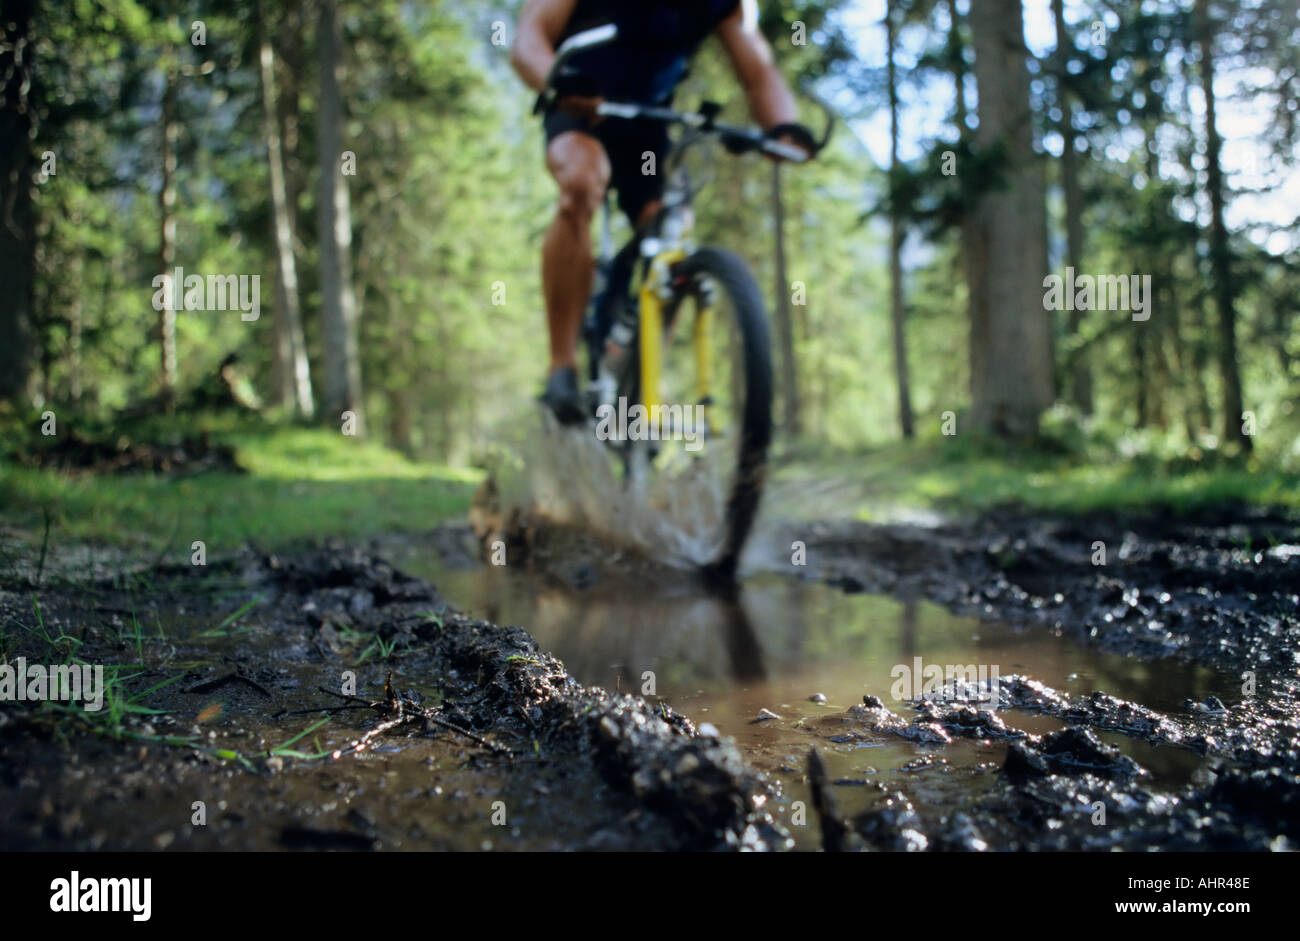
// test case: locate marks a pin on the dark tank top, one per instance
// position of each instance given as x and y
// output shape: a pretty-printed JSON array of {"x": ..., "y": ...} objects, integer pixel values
[{"x": 656, "y": 39}]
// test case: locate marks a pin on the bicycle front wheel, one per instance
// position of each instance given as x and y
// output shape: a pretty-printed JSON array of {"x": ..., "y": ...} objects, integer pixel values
[{"x": 715, "y": 390}]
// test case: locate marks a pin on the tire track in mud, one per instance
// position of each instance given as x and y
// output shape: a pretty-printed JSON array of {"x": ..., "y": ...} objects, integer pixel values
[
  {"x": 587, "y": 769},
  {"x": 666, "y": 785}
]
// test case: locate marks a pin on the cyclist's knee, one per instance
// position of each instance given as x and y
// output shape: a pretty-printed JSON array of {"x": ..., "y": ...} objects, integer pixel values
[
  {"x": 581, "y": 169},
  {"x": 581, "y": 190}
]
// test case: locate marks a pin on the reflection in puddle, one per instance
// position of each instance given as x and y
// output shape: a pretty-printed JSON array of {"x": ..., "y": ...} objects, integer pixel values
[{"x": 786, "y": 643}]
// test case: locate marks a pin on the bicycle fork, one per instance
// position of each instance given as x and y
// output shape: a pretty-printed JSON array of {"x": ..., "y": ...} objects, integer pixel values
[{"x": 655, "y": 293}]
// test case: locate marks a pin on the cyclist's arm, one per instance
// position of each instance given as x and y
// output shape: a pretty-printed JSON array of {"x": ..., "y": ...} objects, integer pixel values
[
  {"x": 770, "y": 100},
  {"x": 536, "y": 34}
]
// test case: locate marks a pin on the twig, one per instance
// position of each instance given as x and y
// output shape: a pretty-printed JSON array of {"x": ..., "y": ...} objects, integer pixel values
[
  {"x": 491, "y": 746},
  {"x": 357, "y": 699},
  {"x": 835, "y": 830},
  {"x": 404, "y": 710},
  {"x": 45, "y": 542},
  {"x": 209, "y": 685}
]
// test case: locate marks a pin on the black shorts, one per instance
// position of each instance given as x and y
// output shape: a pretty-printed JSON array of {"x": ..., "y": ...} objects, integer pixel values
[{"x": 626, "y": 143}]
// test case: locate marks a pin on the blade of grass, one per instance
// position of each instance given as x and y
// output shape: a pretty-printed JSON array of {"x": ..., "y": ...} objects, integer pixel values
[
  {"x": 242, "y": 610},
  {"x": 280, "y": 749},
  {"x": 168, "y": 682}
]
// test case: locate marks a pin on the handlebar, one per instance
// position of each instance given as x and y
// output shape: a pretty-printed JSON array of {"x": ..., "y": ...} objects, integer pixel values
[{"x": 736, "y": 139}]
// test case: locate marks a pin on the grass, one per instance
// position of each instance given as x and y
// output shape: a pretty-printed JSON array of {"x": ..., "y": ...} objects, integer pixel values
[
  {"x": 311, "y": 483},
  {"x": 224, "y": 629},
  {"x": 301, "y": 483},
  {"x": 378, "y": 645},
  {"x": 284, "y": 751},
  {"x": 964, "y": 478},
  {"x": 119, "y": 705}
]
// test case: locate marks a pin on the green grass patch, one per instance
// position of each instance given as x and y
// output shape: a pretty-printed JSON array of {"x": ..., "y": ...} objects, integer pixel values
[
  {"x": 300, "y": 483},
  {"x": 963, "y": 478}
]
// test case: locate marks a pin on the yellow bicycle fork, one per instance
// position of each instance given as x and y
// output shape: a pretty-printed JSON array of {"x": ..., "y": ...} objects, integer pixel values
[{"x": 651, "y": 298}]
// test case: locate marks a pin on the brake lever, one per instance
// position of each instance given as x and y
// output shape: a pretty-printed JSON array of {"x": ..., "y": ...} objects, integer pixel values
[
  {"x": 616, "y": 109},
  {"x": 806, "y": 90},
  {"x": 787, "y": 151}
]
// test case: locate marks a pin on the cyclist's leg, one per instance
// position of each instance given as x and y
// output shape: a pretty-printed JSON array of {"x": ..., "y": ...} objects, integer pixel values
[
  {"x": 578, "y": 162},
  {"x": 636, "y": 149}
]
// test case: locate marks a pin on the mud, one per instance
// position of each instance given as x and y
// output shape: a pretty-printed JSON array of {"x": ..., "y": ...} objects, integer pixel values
[
  {"x": 1221, "y": 589},
  {"x": 498, "y": 747},
  {"x": 573, "y": 768}
]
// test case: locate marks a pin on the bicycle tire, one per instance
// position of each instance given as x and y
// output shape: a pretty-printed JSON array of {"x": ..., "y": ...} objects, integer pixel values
[{"x": 733, "y": 278}]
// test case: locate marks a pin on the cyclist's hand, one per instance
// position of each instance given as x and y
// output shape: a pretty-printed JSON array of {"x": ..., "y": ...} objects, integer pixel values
[
  {"x": 583, "y": 106},
  {"x": 793, "y": 135},
  {"x": 787, "y": 139}
]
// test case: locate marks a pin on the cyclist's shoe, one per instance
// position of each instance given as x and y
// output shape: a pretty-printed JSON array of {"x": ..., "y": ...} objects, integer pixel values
[{"x": 562, "y": 397}]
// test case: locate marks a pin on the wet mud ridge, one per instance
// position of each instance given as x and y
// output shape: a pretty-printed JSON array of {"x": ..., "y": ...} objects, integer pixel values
[
  {"x": 664, "y": 785},
  {"x": 1220, "y": 593},
  {"x": 511, "y": 733},
  {"x": 1224, "y": 592},
  {"x": 1070, "y": 789}
]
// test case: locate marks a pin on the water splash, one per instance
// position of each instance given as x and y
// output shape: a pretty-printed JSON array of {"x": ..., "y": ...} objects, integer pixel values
[{"x": 566, "y": 476}]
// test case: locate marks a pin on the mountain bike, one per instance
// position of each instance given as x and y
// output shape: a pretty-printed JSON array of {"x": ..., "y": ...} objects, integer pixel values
[{"x": 687, "y": 342}]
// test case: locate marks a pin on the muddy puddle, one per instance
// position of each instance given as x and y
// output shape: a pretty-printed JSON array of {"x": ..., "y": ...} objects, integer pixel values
[
  {"x": 583, "y": 698},
  {"x": 776, "y": 669},
  {"x": 230, "y": 725}
]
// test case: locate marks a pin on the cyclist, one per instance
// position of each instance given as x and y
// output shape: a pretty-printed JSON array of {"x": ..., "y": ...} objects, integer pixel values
[{"x": 585, "y": 154}]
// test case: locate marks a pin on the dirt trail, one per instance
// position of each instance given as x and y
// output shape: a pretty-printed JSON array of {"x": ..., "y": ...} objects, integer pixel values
[
  {"x": 572, "y": 767},
  {"x": 250, "y": 649},
  {"x": 1219, "y": 589}
]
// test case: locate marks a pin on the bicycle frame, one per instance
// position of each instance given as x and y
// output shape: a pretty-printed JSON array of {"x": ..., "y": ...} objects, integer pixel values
[{"x": 669, "y": 240}]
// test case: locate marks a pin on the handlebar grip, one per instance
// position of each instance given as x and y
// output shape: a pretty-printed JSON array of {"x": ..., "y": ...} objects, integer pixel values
[
  {"x": 788, "y": 151},
  {"x": 802, "y": 136}
]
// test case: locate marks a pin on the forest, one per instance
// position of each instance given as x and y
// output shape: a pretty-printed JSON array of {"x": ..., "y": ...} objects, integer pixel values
[{"x": 1145, "y": 138}]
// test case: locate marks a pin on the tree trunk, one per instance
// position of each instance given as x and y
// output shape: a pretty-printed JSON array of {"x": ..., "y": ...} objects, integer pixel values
[
  {"x": 76, "y": 318},
  {"x": 1195, "y": 345},
  {"x": 17, "y": 218},
  {"x": 1011, "y": 358},
  {"x": 1162, "y": 314},
  {"x": 1201, "y": 364},
  {"x": 399, "y": 421},
  {"x": 1140, "y": 378},
  {"x": 784, "y": 321},
  {"x": 170, "y": 131},
  {"x": 896, "y": 235},
  {"x": 289, "y": 79},
  {"x": 1079, "y": 371},
  {"x": 1182, "y": 362},
  {"x": 971, "y": 251},
  {"x": 338, "y": 303},
  {"x": 1220, "y": 257},
  {"x": 290, "y": 376}
]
